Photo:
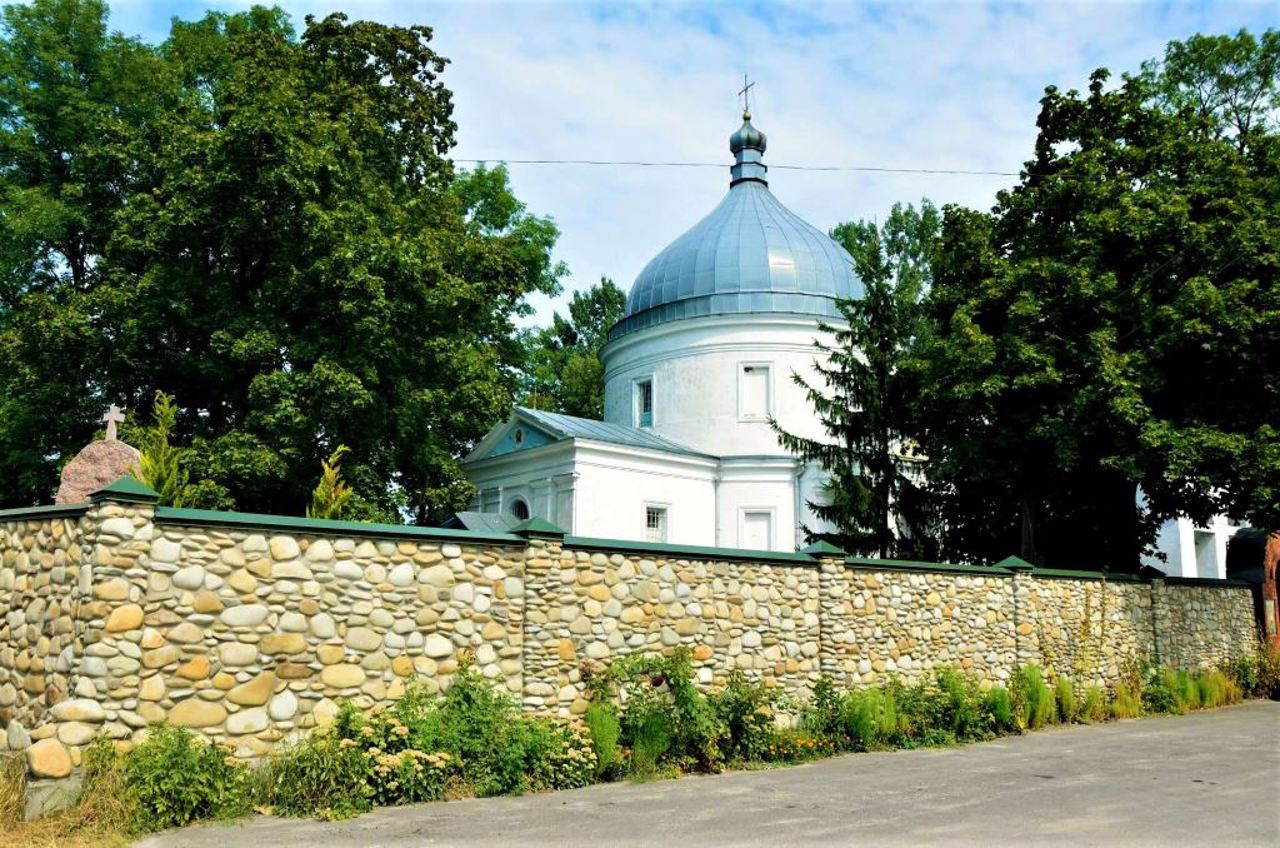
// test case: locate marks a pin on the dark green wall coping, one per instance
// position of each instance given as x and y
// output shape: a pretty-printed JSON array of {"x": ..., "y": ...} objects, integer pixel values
[
  {"x": 669, "y": 551},
  {"x": 1074, "y": 574},
  {"x": 870, "y": 564},
  {"x": 327, "y": 527},
  {"x": 1208, "y": 582},
  {"x": 23, "y": 513}
]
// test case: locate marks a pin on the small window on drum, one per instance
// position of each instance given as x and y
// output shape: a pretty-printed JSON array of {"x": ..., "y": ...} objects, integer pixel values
[{"x": 520, "y": 509}]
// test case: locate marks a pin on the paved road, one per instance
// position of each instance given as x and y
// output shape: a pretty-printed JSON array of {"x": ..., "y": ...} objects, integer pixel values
[{"x": 1210, "y": 778}]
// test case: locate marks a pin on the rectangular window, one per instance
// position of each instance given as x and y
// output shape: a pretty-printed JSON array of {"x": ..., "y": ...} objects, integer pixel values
[
  {"x": 644, "y": 403},
  {"x": 757, "y": 530},
  {"x": 755, "y": 392},
  {"x": 655, "y": 524}
]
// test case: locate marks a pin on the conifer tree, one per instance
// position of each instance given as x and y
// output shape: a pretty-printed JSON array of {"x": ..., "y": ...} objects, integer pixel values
[{"x": 862, "y": 396}]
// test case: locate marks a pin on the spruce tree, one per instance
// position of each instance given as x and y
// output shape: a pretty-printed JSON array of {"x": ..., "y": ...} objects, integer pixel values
[{"x": 862, "y": 395}]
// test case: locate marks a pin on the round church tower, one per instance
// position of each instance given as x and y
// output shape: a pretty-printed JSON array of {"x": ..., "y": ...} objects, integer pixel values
[
  {"x": 714, "y": 328},
  {"x": 717, "y": 322}
]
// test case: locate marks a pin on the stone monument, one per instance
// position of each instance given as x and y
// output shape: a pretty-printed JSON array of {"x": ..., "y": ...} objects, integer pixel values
[{"x": 98, "y": 464}]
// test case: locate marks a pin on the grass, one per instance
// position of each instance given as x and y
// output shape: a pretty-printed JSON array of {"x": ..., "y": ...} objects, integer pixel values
[{"x": 99, "y": 821}]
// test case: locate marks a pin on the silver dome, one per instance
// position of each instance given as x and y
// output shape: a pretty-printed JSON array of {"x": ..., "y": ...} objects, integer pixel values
[{"x": 751, "y": 254}]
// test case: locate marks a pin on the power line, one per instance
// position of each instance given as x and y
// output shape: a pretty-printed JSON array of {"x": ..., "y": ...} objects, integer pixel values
[{"x": 642, "y": 164}]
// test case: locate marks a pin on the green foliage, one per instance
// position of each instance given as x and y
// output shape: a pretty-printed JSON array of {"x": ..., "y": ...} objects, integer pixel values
[
  {"x": 1033, "y": 700},
  {"x": 1127, "y": 700},
  {"x": 163, "y": 465},
  {"x": 605, "y": 729},
  {"x": 563, "y": 372},
  {"x": 825, "y": 713},
  {"x": 1162, "y": 692},
  {"x": 1065, "y": 695},
  {"x": 1258, "y": 674},
  {"x": 174, "y": 778},
  {"x": 324, "y": 775},
  {"x": 331, "y": 497},
  {"x": 745, "y": 710},
  {"x": 471, "y": 741},
  {"x": 264, "y": 223},
  {"x": 1148, "y": 221},
  {"x": 1094, "y": 707},
  {"x": 1000, "y": 714},
  {"x": 1217, "y": 690},
  {"x": 864, "y": 396},
  {"x": 666, "y": 720}
]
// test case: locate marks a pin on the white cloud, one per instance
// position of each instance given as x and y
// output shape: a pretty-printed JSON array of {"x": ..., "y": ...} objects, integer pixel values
[{"x": 897, "y": 85}]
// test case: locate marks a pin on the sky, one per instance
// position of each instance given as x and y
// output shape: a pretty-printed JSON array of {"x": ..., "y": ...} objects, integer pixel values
[{"x": 893, "y": 85}]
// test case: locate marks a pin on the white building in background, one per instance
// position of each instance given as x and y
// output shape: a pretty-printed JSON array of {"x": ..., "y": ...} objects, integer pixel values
[
  {"x": 714, "y": 328},
  {"x": 1192, "y": 550}
]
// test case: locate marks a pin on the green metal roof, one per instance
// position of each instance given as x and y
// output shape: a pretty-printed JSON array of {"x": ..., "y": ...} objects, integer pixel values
[
  {"x": 484, "y": 522},
  {"x": 571, "y": 427},
  {"x": 126, "y": 489}
]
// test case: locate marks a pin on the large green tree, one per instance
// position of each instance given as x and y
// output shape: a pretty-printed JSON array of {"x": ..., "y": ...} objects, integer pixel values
[
  {"x": 267, "y": 227},
  {"x": 864, "y": 395},
  {"x": 563, "y": 371},
  {"x": 1113, "y": 326}
]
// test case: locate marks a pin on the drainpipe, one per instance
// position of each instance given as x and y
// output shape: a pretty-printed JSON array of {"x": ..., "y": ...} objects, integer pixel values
[{"x": 801, "y": 468}]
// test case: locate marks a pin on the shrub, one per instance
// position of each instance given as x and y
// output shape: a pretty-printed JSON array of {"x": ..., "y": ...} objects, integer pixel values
[
  {"x": 863, "y": 713},
  {"x": 746, "y": 712},
  {"x": 175, "y": 778},
  {"x": 1258, "y": 674},
  {"x": 998, "y": 706},
  {"x": 1217, "y": 689},
  {"x": 1094, "y": 707},
  {"x": 324, "y": 775},
  {"x": 825, "y": 714},
  {"x": 958, "y": 709},
  {"x": 1127, "y": 702},
  {"x": 1188, "y": 691},
  {"x": 646, "y": 724},
  {"x": 665, "y": 719},
  {"x": 1033, "y": 700},
  {"x": 1065, "y": 693},
  {"x": 1162, "y": 692},
  {"x": 605, "y": 729}
]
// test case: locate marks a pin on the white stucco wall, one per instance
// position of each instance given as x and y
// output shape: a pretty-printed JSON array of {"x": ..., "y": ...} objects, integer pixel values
[
  {"x": 593, "y": 489},
  {"x": 695, "y": 365},
  {"x": 1191, "y": 550},
  {"x": 615, "y": 485}
]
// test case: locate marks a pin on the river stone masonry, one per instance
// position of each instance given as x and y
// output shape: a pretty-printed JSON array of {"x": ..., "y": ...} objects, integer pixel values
[{"x": 118, "y": 614}]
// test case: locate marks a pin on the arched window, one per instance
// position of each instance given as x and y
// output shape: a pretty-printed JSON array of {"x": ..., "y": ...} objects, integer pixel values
[{"x": 520, "y": 509}]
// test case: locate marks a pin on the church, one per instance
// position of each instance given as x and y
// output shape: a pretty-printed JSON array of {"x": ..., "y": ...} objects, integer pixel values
[{"x": 714, "y": 328}]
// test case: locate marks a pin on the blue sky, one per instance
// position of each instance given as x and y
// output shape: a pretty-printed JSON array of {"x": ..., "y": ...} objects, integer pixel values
[{"x": 916, "y": 85}]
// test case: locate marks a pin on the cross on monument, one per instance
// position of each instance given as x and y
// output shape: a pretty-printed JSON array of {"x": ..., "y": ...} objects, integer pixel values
[
  {"x": 746, "y": 92},
  {"x": 114, "y": 416}
]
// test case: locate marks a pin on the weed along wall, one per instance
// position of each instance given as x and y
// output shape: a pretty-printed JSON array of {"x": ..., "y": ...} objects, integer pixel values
[{"x": 118, "y": 614}]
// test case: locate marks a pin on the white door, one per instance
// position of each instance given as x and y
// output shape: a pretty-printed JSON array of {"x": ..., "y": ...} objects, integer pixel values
[{"x": 757, "y": 530}]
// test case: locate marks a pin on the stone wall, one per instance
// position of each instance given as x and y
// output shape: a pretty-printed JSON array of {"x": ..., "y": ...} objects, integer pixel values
[
  {"x": 251, "y": 629},
  {"x": 761, "y": 618},
  {"x": 42, "y": 587},
  {"x": 882, "y": 623}
]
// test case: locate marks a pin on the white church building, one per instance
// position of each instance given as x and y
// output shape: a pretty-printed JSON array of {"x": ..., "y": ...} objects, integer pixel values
[{"x": 714, "y": 327}]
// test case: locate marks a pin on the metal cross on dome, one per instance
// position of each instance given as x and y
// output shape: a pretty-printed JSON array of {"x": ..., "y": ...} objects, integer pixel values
[
  {"x": 746, "y": 93},
  {"x": 114, "y": 416}
]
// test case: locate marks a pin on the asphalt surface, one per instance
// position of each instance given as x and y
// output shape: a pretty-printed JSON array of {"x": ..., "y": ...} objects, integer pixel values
[{"x": 1210, "y": 778}]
